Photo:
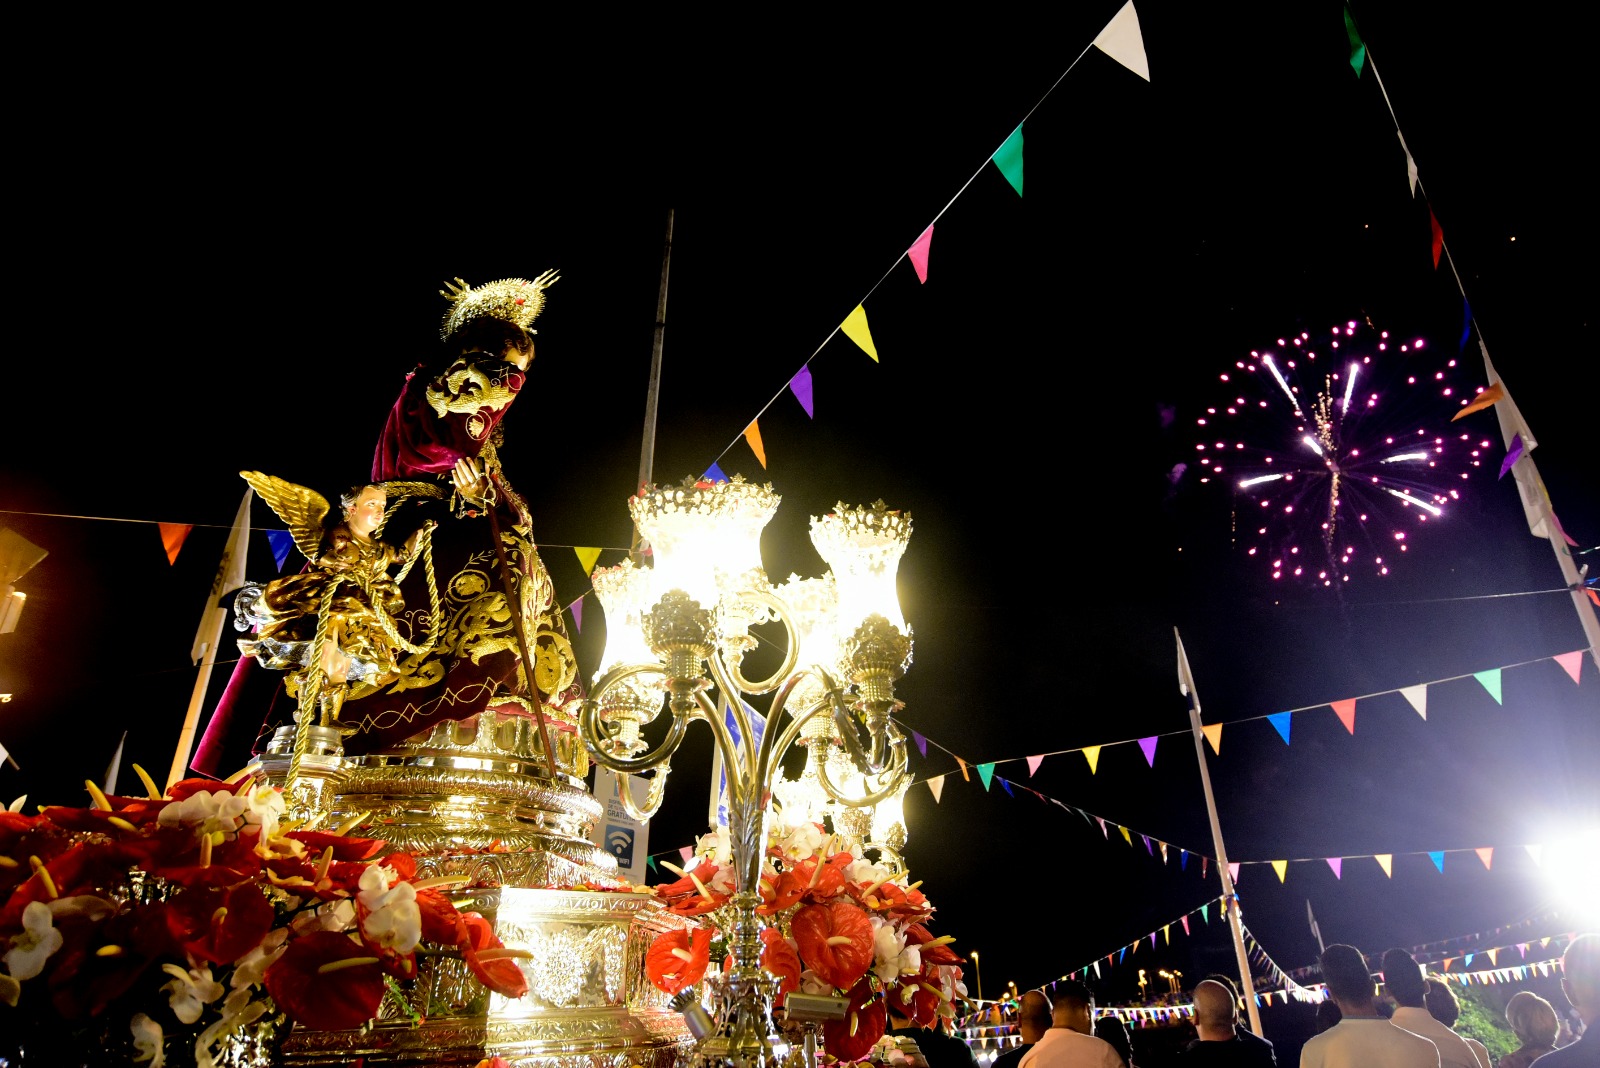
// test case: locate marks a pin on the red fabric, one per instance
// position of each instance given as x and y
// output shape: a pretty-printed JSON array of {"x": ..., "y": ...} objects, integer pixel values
[{"x": 417, "y": 441}]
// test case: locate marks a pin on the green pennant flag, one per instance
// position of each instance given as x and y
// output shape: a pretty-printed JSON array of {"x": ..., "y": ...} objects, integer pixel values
[
  {"x": 986, "y": 772},
  {"x": 1008, "y": 157},
  {"x": 650, "y": 862},
  {"x": 1205, "y": 911},
  {"x": 1358, "y": 47},
  {"x": 1491, "y": 682}
]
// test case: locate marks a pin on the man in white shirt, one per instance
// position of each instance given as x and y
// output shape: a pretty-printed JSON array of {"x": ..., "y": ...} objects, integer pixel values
[
  {"x": 1361, "y": 1038},
  {"x": 1069, "y": 1043},
  {"x": 1404, "y": 981}
]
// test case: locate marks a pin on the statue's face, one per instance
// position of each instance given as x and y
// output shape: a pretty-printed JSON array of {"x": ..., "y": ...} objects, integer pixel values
[{"x": 365, "y": 515}]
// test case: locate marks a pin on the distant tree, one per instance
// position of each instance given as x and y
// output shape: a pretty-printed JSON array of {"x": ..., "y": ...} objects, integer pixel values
[{"x": 1481, "y": 1018}]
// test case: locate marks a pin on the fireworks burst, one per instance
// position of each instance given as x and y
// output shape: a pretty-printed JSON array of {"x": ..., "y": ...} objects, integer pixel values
[{"x": 1338, "y": 449}]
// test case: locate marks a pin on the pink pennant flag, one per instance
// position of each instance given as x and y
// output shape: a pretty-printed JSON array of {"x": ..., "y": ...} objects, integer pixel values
[
  {"x": 1233, "y": 871},
  {"x": 1346, "y": 711},
  {"x": 1185, "y": 921},
  {"x": 936, "y": 786},
  {"x": 1485, "y": 854},
  {"x": 918, "y": 253},
  {"x": 1337, "y": 864},
  {"x": 1103, "y": 831},
  {"x": 1149, "y": 747},
  {"x": 1571, "y": 663},
  {"x": 686, "y": 852},
  {"x": 1033, "y": 764},
  {"x": 576, "y": 608}
]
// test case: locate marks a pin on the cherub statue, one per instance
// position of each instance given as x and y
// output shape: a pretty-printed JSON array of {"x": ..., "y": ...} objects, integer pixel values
[{"x": 332, "y": 625}]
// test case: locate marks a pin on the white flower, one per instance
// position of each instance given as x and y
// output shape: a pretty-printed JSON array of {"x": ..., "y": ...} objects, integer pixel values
[
  {"x": 237, "y": 1011},
  {"x": 190, "y": 991},
  {"x": 206, "y": 812},
  {"x": 714, "y": 846},
  {"x": 891, "y": 957},
  {"x": 249, "y": 969},
  {"x": 147, "y": 1039},
  {"x": 801, "y": 841},
  {"x": 334, "y": 916},
  {"x": 34, "y": 944},
  {"x": 394, "y": 920},
  {"x": 864, "y": 871},
  {"x": 811, "y": 983},
  {"x": 725, "y": 881},
  {"x": 265, "y": 809}
]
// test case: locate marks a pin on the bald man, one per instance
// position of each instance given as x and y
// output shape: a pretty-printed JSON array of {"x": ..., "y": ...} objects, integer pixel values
[
  {"x": 1222, "y": 1041},
  {"x": 1580, "y": 981},
  {"x": 1033, "y": 1020}
]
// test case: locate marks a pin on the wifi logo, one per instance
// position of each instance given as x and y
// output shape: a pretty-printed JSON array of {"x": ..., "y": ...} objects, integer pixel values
[{"x": 619, "y": 842}]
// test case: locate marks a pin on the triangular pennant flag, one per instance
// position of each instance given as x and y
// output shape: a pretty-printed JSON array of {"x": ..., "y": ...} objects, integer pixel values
[
  {"x": 1485, "y": 854},
  {"x": 922, "y": 743},
  {"x": 1163, "y": 847},
  {"x": 964, "y": 774},
  {"x": 918, "y": 253},
  {"x": 1513, "y": 454},
  {"x": 587, "y": 555},
  {"x": 1280, "y": 721},
  {"x": 1418, "y": 696},
  {"x": 1149, "y": 747},
  {"x": 1104, "y": 833},
  {"x": 855, "y": 328},
  {"x": 1346, "y": 711},
  {"x": 1122, "y": 41},
  {"x": 1358, "y": 48},
  {"x": 800, "y": 386},
  {"x": 936, "y": 787},
  {"x": 1571, "y": 663},
  {"x": 686, "y": 852},
  {"x": 281, "y": 541},
  {"x": 172, "y": 535},
  {"x": 1437, "y": 856},
  {"x": 1282, "y": 868},
  {"x": 1337, "y": 864},
  {"x": 714, "y": 474},
  {"x": 1205, "y": 911},
  {"x": 1148, "y": 848},
  {"x": 1233, "y": 871},
  {"x": 1183, "y": 859},
  {"x": 1386, "y": 862},
  {"x": 1152, "y": 940},
  {"x": 752, "y": 437},
  {"x": 1494, "y": 955},
  {"x": 650, "y": 862},
  {"x": 1491, "y": 682},
  {"x": 1008, "y": 157},
  {"x": 1097, "y": 969},
  {"x": 1006, "y": 786},
  {"x": 1466, "y": 325},
  {"x": 1481, "y": 401},
  {"x": 1213, "y": 733},
  {"x": 1411, "y": 164},
  {"x": 1126, "y": 837},
  {"x": 986, "y": 772},
  {"x": 1466, "y": 960},
  {"x": 576, "y": 608},
  {"x": 1033, "y": 764},
  {"x": 1091, "y": 753},
  {"x": 1121, "y": 953},
  {"x": 1166, "y": 934},
  {"x": 1205, "y": 862},
  {"x": 1185, "y": 921},
  {"x": 1438, "y": 237}
]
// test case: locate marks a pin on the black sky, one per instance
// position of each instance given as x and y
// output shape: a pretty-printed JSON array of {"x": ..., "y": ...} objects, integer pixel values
[{"x": 238, "y": 267}]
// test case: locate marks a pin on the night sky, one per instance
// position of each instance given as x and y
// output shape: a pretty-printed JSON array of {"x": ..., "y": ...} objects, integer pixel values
[{"x": 238, "y": 269}]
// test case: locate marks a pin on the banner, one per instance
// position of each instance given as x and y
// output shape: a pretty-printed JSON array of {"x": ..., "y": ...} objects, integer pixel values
[{"x": 617, "y": 832}]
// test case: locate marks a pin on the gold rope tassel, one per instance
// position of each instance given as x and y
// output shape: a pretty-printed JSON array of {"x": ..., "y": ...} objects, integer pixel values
[{"x": 310, "y": 688}]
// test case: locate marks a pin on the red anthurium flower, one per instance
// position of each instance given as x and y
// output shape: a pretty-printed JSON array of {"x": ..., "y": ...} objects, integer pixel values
[
  {"x": 820, "y": 880},
  {"x": 678, "y": 959},
  {"x": 835, "y": 941},
  {"x": 705, "y": 872},
  {"x": 345, "y": 995},
  {"x": 83, "y": 868},
  {"x": 916, "y": 997},
  {"x": 221, "y": 924},
  {"x": 441, "y": 921},
  {"x": 480, "y": 948},
  {"x": 779, "y": 958},
  {"x": 782, "y": 892},
  {"x": 919, "y": 936},
  {"x": 344, "y": 847},
  {"x": 853, "y": 1037}
]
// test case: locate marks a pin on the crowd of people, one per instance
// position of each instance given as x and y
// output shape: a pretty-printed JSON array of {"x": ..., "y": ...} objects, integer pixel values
[{"x": 1397, "y": 1018}]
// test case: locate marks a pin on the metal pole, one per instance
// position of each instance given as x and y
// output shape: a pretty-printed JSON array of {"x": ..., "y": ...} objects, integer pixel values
[
  {"x": 1247, "y": 988},
  {"x": 647, "y": 450}
]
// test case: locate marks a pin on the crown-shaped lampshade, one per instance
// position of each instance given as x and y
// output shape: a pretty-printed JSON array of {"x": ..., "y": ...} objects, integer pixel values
[
  {"x": 704, "y": 537},
  {"x": 624, "y": 593},
  {"x": 864, "y": 546}
]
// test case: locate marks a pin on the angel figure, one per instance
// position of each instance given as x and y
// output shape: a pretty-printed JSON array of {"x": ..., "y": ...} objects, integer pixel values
[{"x": 331, "y": 626}]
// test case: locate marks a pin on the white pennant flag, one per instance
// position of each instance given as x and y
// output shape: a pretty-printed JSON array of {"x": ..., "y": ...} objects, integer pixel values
[
  {"x": 1122, "y": 41},
  {"x": 1418, "y": 696},
  {"x": 936, "y": 785},
  {"x": 1411, "y": 164}
]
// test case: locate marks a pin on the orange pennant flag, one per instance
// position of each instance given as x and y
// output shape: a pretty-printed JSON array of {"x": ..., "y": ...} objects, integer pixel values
[
  {"x": 752, "y": 434},
  {"x": 1213, "y": 733},
  {"x": 1346, "y": 711},
  {"x": 172, "y": 536},
  {"x": 1091, "y": 753},
  {"x": 587, "y": 555},
  {"x": 1486, "y": 854},
  {"x": 963, "y": 764},
  {"x": 1281, "y": 867},
  {"x": 1481, "y": 401},
  {"x": 1386, "y": 862}
]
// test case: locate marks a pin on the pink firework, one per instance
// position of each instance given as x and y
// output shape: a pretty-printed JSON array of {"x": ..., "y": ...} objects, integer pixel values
[{"x": 1339, "y": 450}]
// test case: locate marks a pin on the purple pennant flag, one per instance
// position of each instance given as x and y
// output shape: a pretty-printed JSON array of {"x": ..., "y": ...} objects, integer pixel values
[
  {"x": 1147, "y": 848},
  {"x": 714, "y": 474},
  {"x": 1513, "y": 454},
  {"x": 576, "y": 608},
  {"x": 281, "y": 541},
  {"x": 1336, "y": 863},
  {"x": 922, "y": 743},
  {"x": 800, "y": 386},
  {"x": 1149, "y": 747}
]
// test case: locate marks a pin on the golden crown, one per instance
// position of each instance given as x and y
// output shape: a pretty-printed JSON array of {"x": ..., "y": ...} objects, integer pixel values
[{"x": 515, "y": 300}]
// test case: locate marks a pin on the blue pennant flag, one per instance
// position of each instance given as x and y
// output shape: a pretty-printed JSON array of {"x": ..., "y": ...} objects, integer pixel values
[
  {"x": 281, "y": 541},
  {"x": 714, "y": 474}
]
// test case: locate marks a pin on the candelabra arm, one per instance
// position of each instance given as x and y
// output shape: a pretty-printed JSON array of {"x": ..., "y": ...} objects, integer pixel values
[
  {"x": 593, "y": 731},
  {"x": 797, "y": 720},
  {"x": 653, "y": 798},
  {"x": 780, "y": 611},
  {"x": 896, "y": 771}
]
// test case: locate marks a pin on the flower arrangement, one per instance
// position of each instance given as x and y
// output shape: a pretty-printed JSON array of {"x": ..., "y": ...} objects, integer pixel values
[
  {"x": 838, "y": 925},
  {"x": 202, "y": 913}
]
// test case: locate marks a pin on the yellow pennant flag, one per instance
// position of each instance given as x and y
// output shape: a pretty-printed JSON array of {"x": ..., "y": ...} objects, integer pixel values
[
  {"x": 752, "y": 434},
  {"x": 1281, "y": 867},
  {"x": 1482, "y": 401},
  {"x": 1091, "y": 753},
  {"x": 1213, "y": 733},
  {"x": 587, "y": 555},
  {"x": 172, "y": 535},
  {"x": 1166, "y": 934},
  {"x": 1386, "y": 862},
  {"x": 1125, "y": 836},
  {"x": 1494, "y": 956},
  {"x": 855, "y": 328}
]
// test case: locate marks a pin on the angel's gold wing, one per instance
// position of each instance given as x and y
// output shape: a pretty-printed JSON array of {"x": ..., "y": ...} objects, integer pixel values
[{"x": 302, "y": 508}]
